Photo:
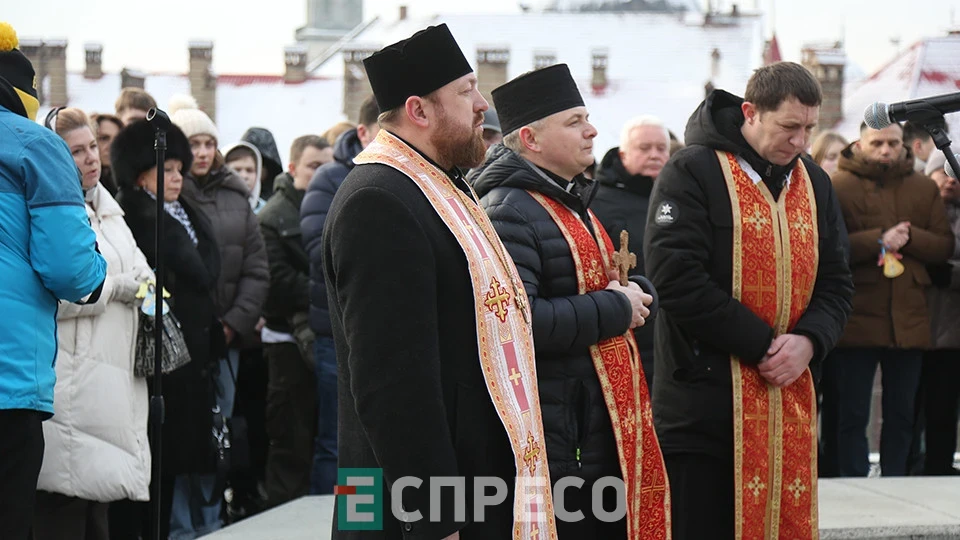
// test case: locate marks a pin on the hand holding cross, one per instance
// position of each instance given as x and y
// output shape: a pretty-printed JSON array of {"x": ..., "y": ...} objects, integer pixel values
[{"x": 623, "y": 259}]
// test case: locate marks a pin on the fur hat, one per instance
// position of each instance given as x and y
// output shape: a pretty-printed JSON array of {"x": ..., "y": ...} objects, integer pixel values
[
  {"x": 185, "y": 113},
  {"x": 132, "y": 152}
]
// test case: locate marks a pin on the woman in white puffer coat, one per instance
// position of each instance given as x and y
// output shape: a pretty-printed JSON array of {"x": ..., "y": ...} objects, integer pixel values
[{"x": 97, "y": 449}]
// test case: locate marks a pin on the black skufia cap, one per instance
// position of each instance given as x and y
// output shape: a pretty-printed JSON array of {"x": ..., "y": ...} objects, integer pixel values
[
  {"x": 534, "y": 96},
  {"x": 415, "y": 66}
]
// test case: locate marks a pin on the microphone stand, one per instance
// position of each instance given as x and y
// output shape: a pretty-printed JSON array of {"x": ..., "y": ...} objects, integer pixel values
[
  {"x": 161, "y": 123},
  {"x": 931, "y": 120}
]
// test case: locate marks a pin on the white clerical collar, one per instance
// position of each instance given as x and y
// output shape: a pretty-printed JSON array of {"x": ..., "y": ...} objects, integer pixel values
[{"x": 755, "y": 176}]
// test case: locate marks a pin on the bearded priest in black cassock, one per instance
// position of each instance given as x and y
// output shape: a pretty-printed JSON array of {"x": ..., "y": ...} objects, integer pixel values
[{"x": 430, "y": 320}]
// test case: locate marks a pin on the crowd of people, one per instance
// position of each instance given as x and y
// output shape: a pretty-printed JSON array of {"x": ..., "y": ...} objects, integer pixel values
[{"x": 440, "y": 291}]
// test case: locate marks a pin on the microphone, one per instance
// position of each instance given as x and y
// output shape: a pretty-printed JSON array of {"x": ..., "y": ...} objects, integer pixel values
[
  {"x": 158, "y": 119},
  {"x": 880, "y": 115}
]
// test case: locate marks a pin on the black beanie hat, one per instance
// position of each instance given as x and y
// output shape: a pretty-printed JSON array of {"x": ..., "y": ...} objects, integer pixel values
[
  {"x": 534, "y": 96},
  {"x": 132, "y": 152},
  {"x": 415, "y": 66},
  {"x": 17, "y": 78}
]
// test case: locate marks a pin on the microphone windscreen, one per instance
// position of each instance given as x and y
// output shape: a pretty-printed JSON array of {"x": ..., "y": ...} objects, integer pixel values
[
  {"x": 158, "y": 119},
  {"x": 876, "y": 115}
]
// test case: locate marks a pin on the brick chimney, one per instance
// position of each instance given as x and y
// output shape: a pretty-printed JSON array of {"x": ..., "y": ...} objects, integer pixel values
[
  {"x": 295, "y": 60},
  {"x": 131, "y": 78},
  {"x": 56, "y": 57},
  {"x": 491, "y": 68},
  {"x": 715, "y": 58},
  {"x": 827, "y": 62},
  {"x": 599, "y": 82},
  {"x": 544, "y": 58},
  {"x": 356, "y": 87},
  {"x": 93, "y": 52},
  {"x": 403, "y": 13},
  {"x": 33, "y": 50},
  {"x": 203, "y": 83}
]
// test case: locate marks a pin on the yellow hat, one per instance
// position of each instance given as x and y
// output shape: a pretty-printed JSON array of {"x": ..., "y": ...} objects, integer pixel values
[{"x": 17, "y": 77}]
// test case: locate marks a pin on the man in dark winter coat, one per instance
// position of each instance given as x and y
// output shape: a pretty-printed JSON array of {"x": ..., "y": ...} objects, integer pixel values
[
  {"x": 537, "y": 198},
  {"x": 313, "y": 213},
  {"x": 626, "y": 178},
  {"x": 431, "y": 325},
  {"x": 286, "y": 336},
  {"x": 744, "y": 246}
]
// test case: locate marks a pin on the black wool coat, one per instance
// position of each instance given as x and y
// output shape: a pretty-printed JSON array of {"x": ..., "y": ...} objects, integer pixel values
[
  {"x": 190, "y": 275},
  {"x": 413, "y": 399}
]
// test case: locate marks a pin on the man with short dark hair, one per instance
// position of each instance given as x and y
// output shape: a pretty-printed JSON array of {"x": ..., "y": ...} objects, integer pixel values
[
  {"x": 133, "y": 104},
  {"x": 920, "y": 143},
  {"x": 428, "y": 314},
  {"x": 744, "y": 246},
  {"x": 897, "y": 224},
  {"x": 286, "y": 336},
  {"x": 313, "y": 213},
  {"x": 596, "y": 407}
]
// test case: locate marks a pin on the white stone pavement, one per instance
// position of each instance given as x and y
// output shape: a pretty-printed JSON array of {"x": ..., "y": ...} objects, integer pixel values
[{"x": 865, "y": 509}]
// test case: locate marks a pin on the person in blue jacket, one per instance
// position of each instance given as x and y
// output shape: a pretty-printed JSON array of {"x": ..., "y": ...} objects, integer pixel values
[{"x": 47, "y": 252}]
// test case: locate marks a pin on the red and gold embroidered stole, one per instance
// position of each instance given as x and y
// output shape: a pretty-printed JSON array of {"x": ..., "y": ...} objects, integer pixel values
[
  {"x": 775, "y": 259},
  {"x": 504, "y": 335},
  {"x": 617, "y": 361}
]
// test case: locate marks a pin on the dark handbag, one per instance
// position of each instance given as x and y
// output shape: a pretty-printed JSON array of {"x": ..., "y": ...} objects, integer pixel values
[
  {"x": 175, "y": 354},
  {"x": 229, "y": 445},
  {"x": 237, "y": 425}
]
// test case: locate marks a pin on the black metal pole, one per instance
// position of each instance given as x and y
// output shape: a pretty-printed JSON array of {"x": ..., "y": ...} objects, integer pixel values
[
  {"x": 161, "y": 123},
  {"x": 942, "y": 141}
]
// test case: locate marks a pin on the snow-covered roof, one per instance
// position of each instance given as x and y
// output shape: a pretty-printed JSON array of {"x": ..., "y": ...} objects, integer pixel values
[
  {"x": 657, "y": 63},
  {"x": 832, "y": 57},
  {"x": 929, "y": 67}
]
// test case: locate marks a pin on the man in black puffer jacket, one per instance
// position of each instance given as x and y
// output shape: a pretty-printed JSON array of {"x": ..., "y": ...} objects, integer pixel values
[
  {"x": 548, "y": 143},
  {"x": 724, "y": 340},
  {"x": 313, "y": 213}
]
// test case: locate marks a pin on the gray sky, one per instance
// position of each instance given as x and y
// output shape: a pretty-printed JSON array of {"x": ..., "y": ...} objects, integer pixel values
[{"x": 249, "y": 35}]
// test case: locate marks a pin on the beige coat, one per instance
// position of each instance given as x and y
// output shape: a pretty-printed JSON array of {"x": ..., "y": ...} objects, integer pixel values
[{"x": 96, "y": 442}]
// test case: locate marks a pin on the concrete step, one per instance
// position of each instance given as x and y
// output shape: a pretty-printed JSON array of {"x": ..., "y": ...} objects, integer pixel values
[
  {"x": 890, "y": 508},
  {"x": 913, "y": 508}
]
